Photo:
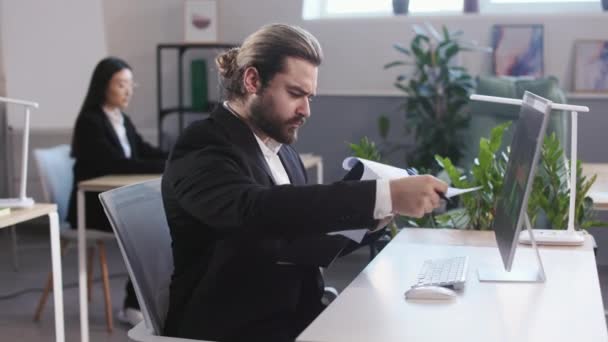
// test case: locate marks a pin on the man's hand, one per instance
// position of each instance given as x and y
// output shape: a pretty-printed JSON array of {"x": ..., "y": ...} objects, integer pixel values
[{"x": 415, "y": 196}]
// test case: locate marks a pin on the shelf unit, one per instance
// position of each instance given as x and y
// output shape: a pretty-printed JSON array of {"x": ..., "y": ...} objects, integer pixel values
[{"x": 180, "y": 109}]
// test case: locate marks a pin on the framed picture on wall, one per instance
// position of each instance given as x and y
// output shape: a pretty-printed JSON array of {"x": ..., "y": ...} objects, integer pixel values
[
  {"x": 200, "y": 20},
  {"x": 591, "y": 66},
  {"x": 518, "y": 50}
]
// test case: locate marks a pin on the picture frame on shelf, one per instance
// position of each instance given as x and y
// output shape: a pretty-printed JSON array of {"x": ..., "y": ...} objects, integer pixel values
[
  {"x": 591, "y": 66},
  {"x": 518, "y": 50},
  {"x": 200, "y": 21}
]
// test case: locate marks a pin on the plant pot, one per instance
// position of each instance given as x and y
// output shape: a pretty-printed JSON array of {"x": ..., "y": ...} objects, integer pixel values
[{"x": 400, "y": 7}]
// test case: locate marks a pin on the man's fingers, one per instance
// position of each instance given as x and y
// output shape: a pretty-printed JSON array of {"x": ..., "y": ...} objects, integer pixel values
[
  {"x": 429, "y": 206},
  {"x": 440, "y": 185}
]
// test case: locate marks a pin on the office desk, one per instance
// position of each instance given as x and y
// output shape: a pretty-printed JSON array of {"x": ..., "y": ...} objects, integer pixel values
[
  {"x": 312, "y": 160},
  {"x": 99, "y": 184},
  {"x": 567, "y": 307},
  {"x": 599, "y": 190},
  {"x": 25, "y": 214}
]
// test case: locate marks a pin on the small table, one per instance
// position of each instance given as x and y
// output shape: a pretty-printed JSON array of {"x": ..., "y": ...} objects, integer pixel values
[
  {"x": 312, "y": 160},
  {"x": 25, "y": 214},
  {"x": 599, "y": 191}
]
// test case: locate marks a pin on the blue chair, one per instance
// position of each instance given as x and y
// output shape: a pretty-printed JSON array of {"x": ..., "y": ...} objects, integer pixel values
[{"x": 55, "y": 168}]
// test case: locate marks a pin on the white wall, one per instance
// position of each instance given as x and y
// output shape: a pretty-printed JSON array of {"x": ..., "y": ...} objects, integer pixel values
[
  {"x": 133, "y": 29},
  {"x": 50, "y": 49},
  {"x": 356, "y": 49}
]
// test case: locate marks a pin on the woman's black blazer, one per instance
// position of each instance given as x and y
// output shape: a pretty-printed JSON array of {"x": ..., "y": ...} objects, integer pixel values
[{"x": 98, "y": 152}]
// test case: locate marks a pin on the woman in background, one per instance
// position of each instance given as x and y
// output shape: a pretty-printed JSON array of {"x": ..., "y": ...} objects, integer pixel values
[{"x": 106, "y": 142}]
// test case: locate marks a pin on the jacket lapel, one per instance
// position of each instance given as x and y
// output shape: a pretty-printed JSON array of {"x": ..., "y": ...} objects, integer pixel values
[
  {"x": 243, "y": 137},
  {"x": 110, "y": 130},
  {"x": 291, "y": 163},
  {"x": 131, "y": 136}
]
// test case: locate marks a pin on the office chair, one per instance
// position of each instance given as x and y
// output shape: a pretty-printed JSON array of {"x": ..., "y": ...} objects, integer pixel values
[
  {"x": 138, "y": 219},
  {"x": 56, "y": 175}
]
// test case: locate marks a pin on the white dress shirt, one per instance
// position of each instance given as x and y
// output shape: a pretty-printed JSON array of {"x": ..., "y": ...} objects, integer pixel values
[
  {"x": 383, "y": 206},
  {"x": 118, "y": 122}
]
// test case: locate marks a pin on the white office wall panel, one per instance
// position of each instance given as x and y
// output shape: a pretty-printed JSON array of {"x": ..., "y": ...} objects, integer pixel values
[{"x": 50, "y": 49}]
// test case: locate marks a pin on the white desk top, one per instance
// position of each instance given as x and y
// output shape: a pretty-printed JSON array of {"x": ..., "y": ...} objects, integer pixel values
[
  {"x": 110, "y": 182},
  {"x": 567, "y": 307},
  {"x": 19, "y": 215},
  {"x": 309, "y": 160}
]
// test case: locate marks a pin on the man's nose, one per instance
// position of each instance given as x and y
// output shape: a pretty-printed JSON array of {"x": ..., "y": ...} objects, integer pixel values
[{"x": 304, "y": 108}]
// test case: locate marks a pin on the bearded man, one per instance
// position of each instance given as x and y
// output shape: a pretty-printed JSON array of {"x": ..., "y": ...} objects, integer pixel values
[{"x": 248, "y": 233}]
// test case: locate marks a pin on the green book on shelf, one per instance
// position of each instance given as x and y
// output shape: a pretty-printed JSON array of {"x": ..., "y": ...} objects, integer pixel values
[
  {"x": 5, "y": 211},
  {"x": 198, "y": 84}
]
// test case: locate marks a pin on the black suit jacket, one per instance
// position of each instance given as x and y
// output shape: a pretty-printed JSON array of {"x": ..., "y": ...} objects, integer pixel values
[
  {"x": 98, "y": 152},
  {"x": 233, "y": 228}
]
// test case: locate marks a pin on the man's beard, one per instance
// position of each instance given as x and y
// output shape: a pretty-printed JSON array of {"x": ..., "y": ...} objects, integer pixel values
[{"x": 266, "y": 119}]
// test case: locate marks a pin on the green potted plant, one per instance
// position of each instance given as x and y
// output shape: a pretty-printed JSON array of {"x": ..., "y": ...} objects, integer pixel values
[
  {"x": 550, "y": 192},
  {"x": 436, "y": 94}
]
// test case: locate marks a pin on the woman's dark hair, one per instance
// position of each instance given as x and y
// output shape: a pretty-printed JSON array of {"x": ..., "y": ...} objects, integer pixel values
[{"x": 105, "y": 69}]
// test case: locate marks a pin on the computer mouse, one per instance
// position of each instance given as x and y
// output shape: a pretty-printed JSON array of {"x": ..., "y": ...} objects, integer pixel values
[{"x": 430, "y": 292}]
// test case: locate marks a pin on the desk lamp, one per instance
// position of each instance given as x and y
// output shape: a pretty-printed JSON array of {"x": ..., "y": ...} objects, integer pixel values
[
  {"x": 22, "y": 201},
  {"x": 553, "y": 236}
]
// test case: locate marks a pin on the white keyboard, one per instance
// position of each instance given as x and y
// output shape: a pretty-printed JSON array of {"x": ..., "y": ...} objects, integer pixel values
[{"x": 450, "y": 272}]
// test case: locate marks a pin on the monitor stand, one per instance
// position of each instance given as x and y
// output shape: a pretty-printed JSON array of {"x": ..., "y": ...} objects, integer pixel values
[{"x": 526, "y": 275}]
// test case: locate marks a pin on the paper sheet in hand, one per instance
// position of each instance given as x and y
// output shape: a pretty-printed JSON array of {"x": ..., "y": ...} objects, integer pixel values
[
  {"x": 370, "y": 170},
  {"x": 457, "y": 192},
  {"x": 375, "y": 170}
]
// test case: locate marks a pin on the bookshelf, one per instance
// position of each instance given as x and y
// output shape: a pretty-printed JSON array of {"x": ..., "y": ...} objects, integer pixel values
[{"x": 181, "y": 108}]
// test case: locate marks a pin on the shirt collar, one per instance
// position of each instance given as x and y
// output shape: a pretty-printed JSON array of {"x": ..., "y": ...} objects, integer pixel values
[
  {"x": 115, "y": 117},
  {"x": 269, "y": 148}
]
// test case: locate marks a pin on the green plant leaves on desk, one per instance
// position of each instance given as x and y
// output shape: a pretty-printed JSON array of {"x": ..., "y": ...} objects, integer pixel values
[
  {"x": 551, "y": 191},
  {"x": 477, "y": 210}
]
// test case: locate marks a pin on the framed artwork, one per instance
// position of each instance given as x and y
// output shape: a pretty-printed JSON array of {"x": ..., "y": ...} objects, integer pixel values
[
  {"x": 200, "y": 20},
  {"x": 518, "y": 50},
  {"x": 591, "y": 66}
]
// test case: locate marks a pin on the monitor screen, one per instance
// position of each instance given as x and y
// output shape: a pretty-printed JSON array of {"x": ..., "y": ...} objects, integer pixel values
[{"x": 525, "y": 148}]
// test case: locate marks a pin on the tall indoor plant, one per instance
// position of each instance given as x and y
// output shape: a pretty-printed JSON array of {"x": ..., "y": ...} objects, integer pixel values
[{"x": 436, "y": 92}]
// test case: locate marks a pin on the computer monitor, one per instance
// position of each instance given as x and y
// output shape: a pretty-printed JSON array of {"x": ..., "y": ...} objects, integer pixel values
[{"x": 512, "y": 202}]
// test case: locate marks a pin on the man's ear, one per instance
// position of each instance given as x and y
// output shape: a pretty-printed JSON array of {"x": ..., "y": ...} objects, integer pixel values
[{"x": 251, "y": 80}]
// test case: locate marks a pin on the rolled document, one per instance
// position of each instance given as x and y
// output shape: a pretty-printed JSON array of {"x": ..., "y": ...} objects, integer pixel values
[{"x": 374, "y": 170}]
